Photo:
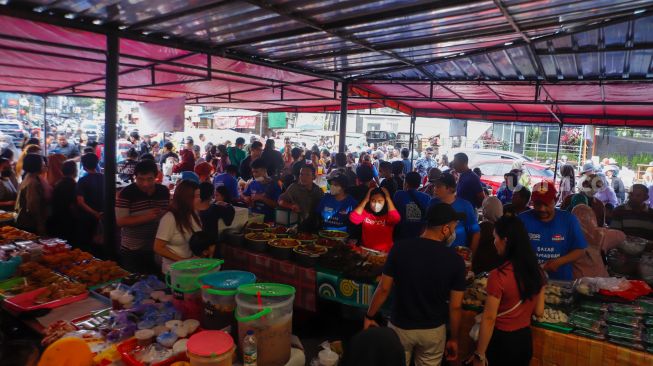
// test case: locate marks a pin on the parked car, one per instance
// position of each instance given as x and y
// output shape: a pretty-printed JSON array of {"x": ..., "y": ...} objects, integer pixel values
[
  {"x": 493, "y": 171},
  {"x": 379, "y": 137},
  {"x": 477, "y": 155},
  {"x": 14, "y": 129},
  {"x": 91, "y": 130}
]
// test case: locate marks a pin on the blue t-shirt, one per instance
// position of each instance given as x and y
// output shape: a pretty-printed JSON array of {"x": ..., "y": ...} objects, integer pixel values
[
  {"x": 334, "y": 213},
  {"x": 469, "y": 185},
  {"x": 504, "y": 194},
  {"x": 466, "y": 227},
  {"x": 554, "y": 239},
  {"x": 91, "y": 187},
  {"x": 412, "y": 212},
  {"x": 227, "y": 180},
  {"x": 271, "y": 191}
]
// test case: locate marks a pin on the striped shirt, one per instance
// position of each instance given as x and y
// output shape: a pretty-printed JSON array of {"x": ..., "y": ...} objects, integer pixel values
[
  {"x": 131, "y": 201},
  {"x": 631, "y": 222}
]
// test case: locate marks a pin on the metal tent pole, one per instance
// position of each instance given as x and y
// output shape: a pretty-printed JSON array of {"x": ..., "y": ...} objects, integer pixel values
[
  {"x": 45, "y": 125},
  {"x": 344, "y": 96},
  {"x": 110, "y": 126},
  {"x": 411, "y": 142},
  {"x": 555, "y": 170}
]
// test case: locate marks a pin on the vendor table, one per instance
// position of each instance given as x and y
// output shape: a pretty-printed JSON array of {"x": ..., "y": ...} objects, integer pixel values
[
  {"x": 331, "y": 285},
  {"x": 269, "y": 269},
  {"x": 553, "y": 348}
]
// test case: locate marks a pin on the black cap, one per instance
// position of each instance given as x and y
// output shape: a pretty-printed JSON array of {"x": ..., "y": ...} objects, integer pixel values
[
  {"x": 339, "y": 178},
  {"x": 443, "y": 213},
  {"x": 447, "y": 180}
]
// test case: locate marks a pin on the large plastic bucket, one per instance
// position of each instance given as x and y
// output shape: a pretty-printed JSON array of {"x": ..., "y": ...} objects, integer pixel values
[
  {"x": 266, "y": 309},
  {"x": 219, "y": 297},
  {"x": 183, "y": 281}
]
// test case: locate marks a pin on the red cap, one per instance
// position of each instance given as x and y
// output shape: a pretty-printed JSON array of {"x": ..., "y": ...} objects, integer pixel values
[{"x": 544, "y": 192}]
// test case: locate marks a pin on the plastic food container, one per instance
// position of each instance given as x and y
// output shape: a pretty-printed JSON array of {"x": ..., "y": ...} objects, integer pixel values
[
  {"x": 182, "y": 279},
  {"x": 211, "y": 348},
  {"x": 596, "y": 307},
  {"x": 626, "y": 309},
  {"x": 646, "y": 268},
  {"x": 267, "y": 309},
  {"x": 633, "y": 245},
  {"x": 585, "y": 323},
  {"x": 625, "y": 333},
  {"x": 622, "y": 319},
  {"x": 219, "y": 297},
  {"x": 591, "y": 335}
]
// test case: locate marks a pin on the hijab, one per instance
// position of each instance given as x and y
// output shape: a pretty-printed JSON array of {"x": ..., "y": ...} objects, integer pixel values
[
  {"x": 587, "y": 219},
  {"x": 492, "y": 208},
  {"x": 55, "y": 162}
]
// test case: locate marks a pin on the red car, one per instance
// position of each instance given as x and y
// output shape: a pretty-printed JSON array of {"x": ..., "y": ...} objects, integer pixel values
[{"x": 493, "y": 171}]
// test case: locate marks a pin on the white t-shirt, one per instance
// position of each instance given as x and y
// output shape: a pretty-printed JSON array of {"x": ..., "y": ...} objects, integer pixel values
[{"x": 177, "y": 241}]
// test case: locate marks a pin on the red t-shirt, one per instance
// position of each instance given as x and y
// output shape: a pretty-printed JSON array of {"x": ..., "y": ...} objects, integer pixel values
[
  {"x": 377, "y": 230},
  {"x": 502, "y": 284}
]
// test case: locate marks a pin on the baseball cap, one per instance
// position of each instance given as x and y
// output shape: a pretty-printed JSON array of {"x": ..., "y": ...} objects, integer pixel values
[
  {"x": 447, "y": 180},
  {"x": 442, "y": 213},
  {"x": 587, "y": 168},
  {"x": 544, "y": 192},
  {"x": 434, "y": 174},
  {"x": 191, "y": 176},
  {"x": 339, "y": 178}
]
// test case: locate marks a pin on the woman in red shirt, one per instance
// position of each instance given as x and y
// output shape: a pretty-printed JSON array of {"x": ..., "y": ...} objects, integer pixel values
[
  {"x": 378, "y": 215},
  {"x": 515, "y": 292}
]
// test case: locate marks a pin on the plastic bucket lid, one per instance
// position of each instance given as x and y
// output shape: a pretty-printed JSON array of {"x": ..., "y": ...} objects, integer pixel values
[
  {"x": 196, "y": 265},
  {"x": 210, "y": 343},
  {"x": 225, "y": 282},
  {"x": 267, "y": 290}
]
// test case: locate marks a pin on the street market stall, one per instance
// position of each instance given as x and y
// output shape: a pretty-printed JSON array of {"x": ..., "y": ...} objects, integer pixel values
[{"x": 585, "y": 62}]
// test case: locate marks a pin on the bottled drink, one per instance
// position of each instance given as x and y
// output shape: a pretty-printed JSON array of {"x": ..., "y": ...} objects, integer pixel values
[{"x": 249, "y": 349}]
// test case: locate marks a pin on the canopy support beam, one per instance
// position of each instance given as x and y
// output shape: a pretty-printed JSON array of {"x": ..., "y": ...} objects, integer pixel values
[
  {"x": 344, "y": 97},
  {"x": 555, "y": 171},
  {"x": 110, "y": 127},
  {"x": 45, "y": 124},
  {"x": 411, "y": 142}
]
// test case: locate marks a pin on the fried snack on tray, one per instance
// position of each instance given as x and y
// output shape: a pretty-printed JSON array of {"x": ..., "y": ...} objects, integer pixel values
[
  {"x": 64, "y": 259},
  {"x": 38, "y": 276},
  {"x": 55, "y": 331},
  {"x": 11, "y": 233},
  {"x": 95, "y": 272}
]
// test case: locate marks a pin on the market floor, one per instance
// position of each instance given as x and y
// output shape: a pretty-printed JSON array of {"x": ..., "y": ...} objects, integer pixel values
[{"x": 332, "y": 322}]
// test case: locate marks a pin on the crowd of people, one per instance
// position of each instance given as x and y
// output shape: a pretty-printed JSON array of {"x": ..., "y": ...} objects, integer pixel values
[{"x": 417, "y": 213}]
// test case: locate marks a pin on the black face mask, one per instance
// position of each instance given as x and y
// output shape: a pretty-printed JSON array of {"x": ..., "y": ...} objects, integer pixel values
[{"x": 6, "y": 173}]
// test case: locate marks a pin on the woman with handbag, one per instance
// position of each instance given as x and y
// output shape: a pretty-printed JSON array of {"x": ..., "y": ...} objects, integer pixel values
[{"x": 515, "y": 292}]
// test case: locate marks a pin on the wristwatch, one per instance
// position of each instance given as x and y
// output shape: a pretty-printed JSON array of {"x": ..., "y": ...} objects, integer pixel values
[
  {"x": 479, "y": 357},
  {"x": 369, "y": 317}
]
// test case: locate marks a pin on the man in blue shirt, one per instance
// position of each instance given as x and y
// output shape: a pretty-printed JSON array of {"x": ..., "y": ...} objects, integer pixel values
[
  {"x": 555, "y": 235},
  {"x": 335, "y": 206},
  {"x": 405, "y": 161},
  {"x": 228, "y": 180},
  {"x": 469, "y": 184},
  {"x": 412, "y": 206},
  {"x": 468, "y": 232},
  {"x": 423, "y": 165},
  {"x": 262, "y": 193}
]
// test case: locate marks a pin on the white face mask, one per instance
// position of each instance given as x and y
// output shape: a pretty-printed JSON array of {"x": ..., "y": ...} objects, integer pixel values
[
  {"x": 260, "y": 179},
  {"x": 451, "y": 238},
  {"x": 336, "y": 190},
  {"x": 376, "y": 207}
]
